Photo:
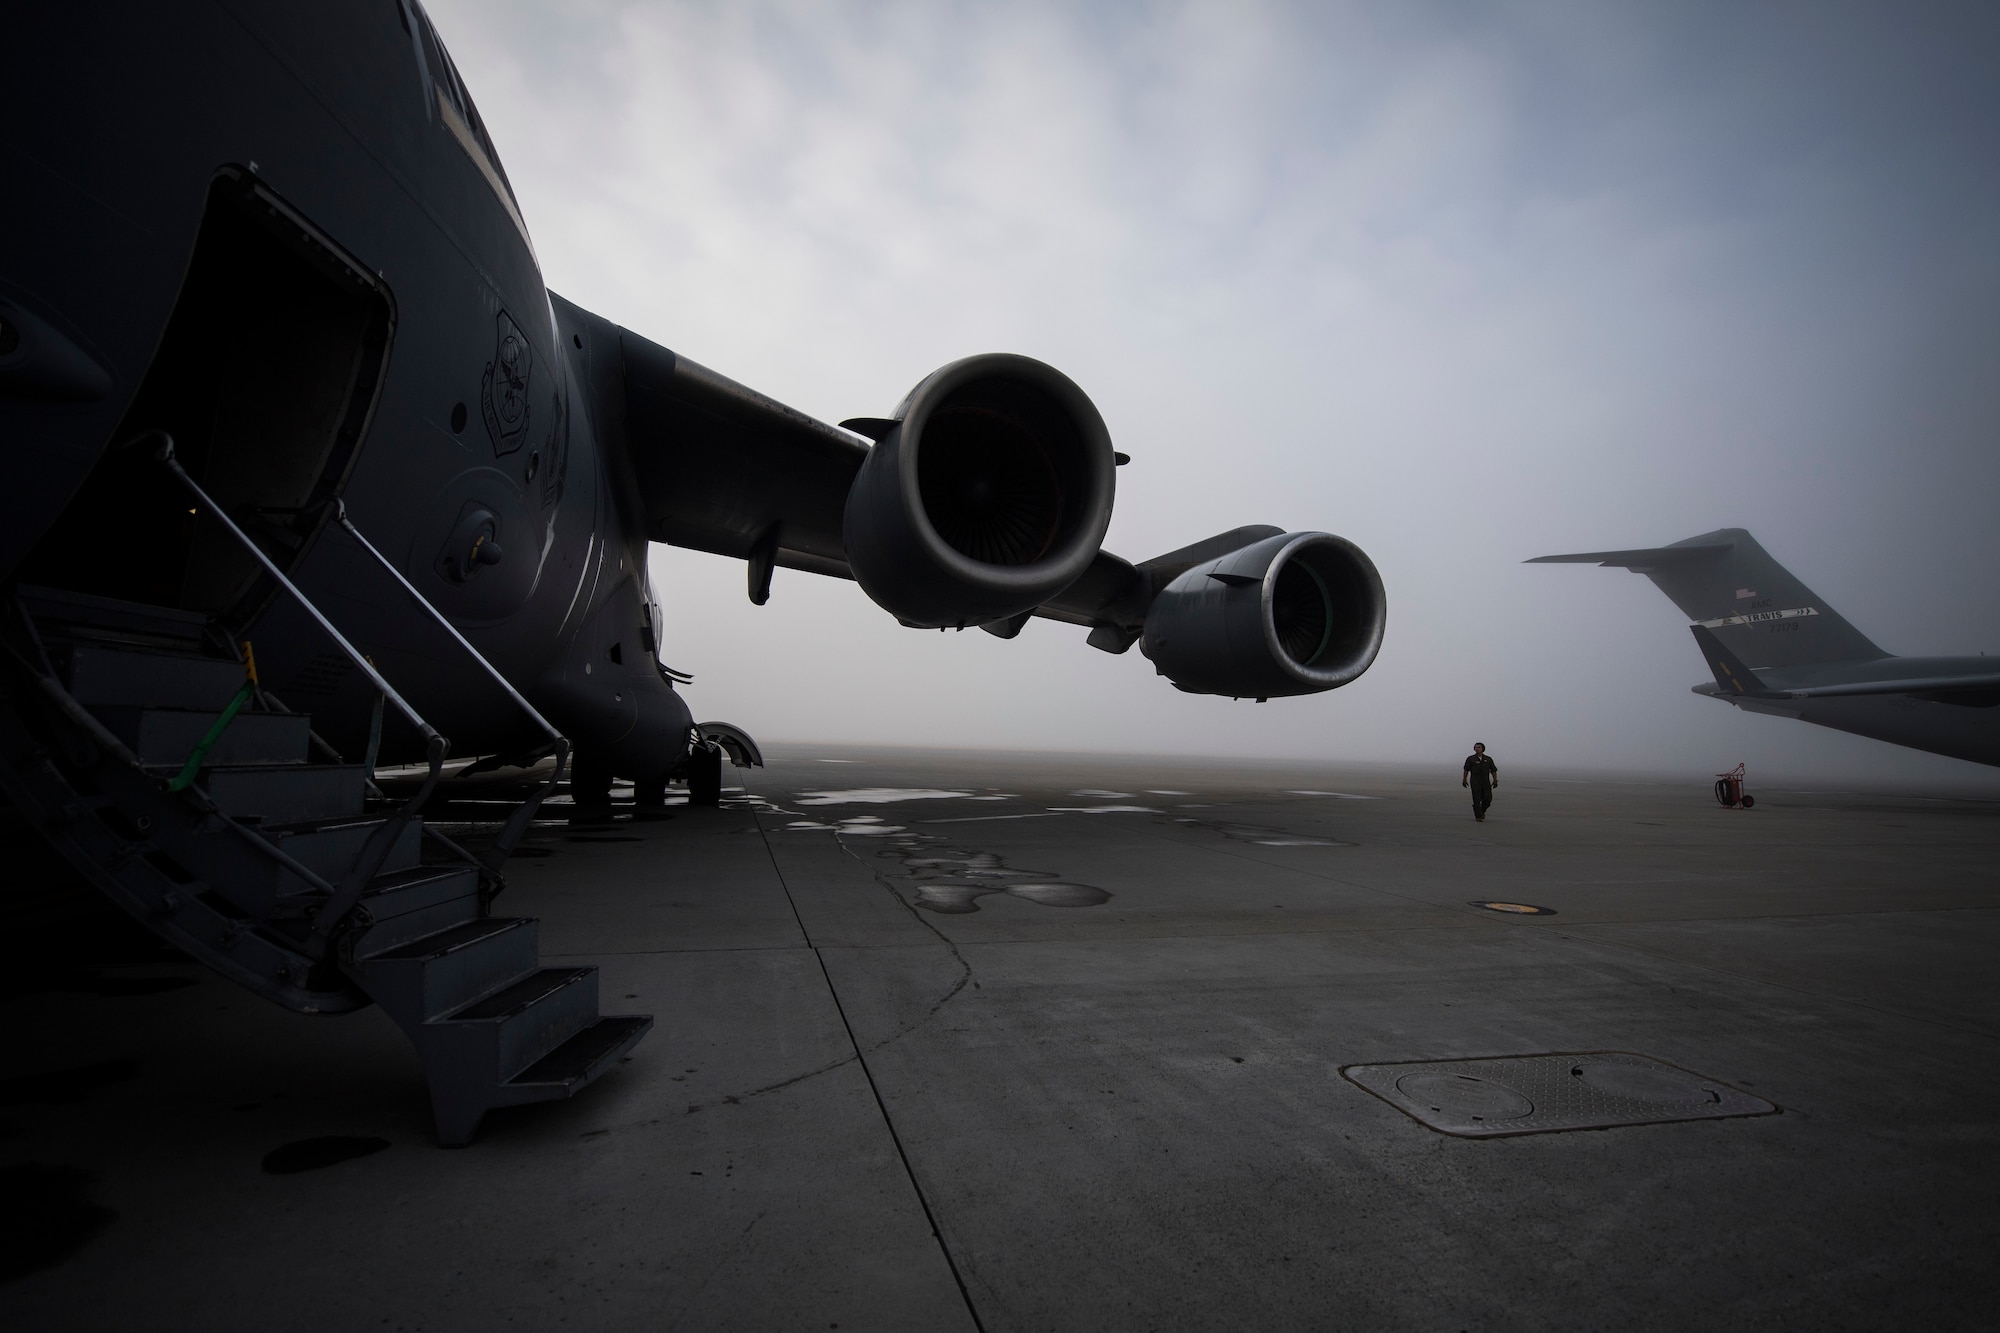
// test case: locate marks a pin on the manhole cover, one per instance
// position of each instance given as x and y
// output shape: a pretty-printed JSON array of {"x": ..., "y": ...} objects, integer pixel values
[
  {"x": 1519, "y": 909},
  {"x": 1542, "y": 1094},
  {"x": 1464, "y": 1097},
  {"x": 1645, "y": 1083}
]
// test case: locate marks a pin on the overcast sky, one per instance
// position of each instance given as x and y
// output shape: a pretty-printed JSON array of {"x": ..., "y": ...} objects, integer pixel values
[{"x": 1463, "y": 283}]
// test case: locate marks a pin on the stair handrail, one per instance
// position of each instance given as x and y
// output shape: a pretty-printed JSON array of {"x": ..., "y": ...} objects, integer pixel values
[
  {"x": 347, "y": 895},
  {"x": 517, "y": 823},
  {"x": 53, "y": 693},
  {"x": 165, "y": 454}
]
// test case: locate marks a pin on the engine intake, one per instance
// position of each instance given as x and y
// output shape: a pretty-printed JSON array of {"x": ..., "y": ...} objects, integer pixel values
[
  {"x": 988, "y": 493},
  {"x": 1296, "y": 613}
]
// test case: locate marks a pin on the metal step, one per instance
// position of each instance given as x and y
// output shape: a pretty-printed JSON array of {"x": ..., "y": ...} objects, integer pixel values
[
  {"x": 164, "y": 737},
  {"x": 232, "y": 863},
  {"x": 330, "y": 847},
  {"x": 287, "y": 794},
  {"x": 438, "y": 974},
  {"x": 491, "y": 1026},
  {"x": 109, "y": 616},
  {"x": 572, "y": 1066},
  {"x": 406, "y": 905},
  {"x": 521, "y": 1023},
  {"x": 101, "y": 676}
]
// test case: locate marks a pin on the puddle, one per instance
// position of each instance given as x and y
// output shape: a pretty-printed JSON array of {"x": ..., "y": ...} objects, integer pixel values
[
  {"x": 1337, "y": 795},
  {"x": 952, "y": 880},
  {"x": 1095, "y": 794},
  {"x": 1105, "y": 810},
  {"x": 958, "y": 899},
  {"x": 989, "y": 819},
  {"x": 1060, "y": 895},
  {"x": 881, "y": 796},
  {"x": 951, "y": 899},
  {"x": 48, "y": 1217},
  {"x": 860, "y": 826},
  {"x": 312, "y": 1154}
]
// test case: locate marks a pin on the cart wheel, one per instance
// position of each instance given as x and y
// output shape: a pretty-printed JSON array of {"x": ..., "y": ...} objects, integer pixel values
[{"x": 1749, "y": 801}]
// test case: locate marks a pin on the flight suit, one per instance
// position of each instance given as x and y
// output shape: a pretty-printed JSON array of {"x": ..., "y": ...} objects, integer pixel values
[{"x": 1481, "y": 769}]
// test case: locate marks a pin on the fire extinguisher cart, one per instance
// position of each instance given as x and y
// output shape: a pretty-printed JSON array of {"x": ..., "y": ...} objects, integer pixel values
[{"x": 1729, "y": 790}]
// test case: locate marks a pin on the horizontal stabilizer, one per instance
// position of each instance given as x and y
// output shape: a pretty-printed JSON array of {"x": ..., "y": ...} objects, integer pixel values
[
  {"x": 1731, "y": 676},
  {"x": 1926, "y": 685},
  {"x": 1726, "y": 582},
  {"x": 1640, "y": 559}
]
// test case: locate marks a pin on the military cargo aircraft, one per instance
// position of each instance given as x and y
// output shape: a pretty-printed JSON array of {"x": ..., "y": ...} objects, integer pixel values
[
  {"x": 1776, "y": 647},
  {"x": 308, "y": 474}
]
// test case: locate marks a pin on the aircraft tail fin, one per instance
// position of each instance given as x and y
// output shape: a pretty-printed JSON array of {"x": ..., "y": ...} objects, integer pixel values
[{"x": 1750, "y": 604}]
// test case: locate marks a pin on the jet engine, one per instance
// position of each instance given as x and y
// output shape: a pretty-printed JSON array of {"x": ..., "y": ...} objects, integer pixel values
[
  {"x": 1296, "y": 613},
  {"x": 987, "y": 493}
]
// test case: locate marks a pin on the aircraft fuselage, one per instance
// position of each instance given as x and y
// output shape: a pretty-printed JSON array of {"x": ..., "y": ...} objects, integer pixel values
[{"x": 477, "y": 428}]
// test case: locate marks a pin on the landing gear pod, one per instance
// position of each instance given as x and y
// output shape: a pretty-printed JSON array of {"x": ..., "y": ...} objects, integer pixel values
[
  {"x": 987, "y": 494},
  {"x": 1293, "y": 614}
]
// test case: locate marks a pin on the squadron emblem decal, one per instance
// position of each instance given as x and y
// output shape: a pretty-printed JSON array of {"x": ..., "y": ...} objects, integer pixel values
[{"x": 504, "y": 400}]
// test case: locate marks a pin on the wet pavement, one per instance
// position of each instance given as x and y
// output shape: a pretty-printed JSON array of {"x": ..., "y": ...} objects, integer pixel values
[{"x": 955, "y": 1040}]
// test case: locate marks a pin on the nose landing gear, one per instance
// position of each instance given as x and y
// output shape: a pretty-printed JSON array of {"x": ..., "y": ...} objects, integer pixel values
[{"x": 710, "y": 745}]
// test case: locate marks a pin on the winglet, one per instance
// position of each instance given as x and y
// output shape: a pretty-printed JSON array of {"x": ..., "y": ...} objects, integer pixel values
[{"x": 1730, "y": 674}]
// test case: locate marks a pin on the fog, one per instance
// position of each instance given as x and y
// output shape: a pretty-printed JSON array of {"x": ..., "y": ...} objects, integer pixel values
[{"x": 1464, "y": 284}]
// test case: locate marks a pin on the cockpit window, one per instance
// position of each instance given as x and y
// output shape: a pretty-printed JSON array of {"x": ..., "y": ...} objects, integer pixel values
[{"x": 451, "y": 88}]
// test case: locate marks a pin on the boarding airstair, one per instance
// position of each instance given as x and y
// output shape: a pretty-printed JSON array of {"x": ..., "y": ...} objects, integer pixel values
[{"x": 139, "y": 742}]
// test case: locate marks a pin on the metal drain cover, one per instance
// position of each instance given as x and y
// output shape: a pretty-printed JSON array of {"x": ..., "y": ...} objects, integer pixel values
[{"x": 1543, "y": 1094}]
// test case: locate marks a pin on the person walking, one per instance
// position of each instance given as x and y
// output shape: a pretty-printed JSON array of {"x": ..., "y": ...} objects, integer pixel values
[{"x": 1482, "y": 775}]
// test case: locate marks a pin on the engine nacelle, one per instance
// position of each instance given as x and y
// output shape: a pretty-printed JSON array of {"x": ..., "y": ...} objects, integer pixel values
[
  {"x": 989, "y": 493},
  {"x": 1293, "y": 614}
]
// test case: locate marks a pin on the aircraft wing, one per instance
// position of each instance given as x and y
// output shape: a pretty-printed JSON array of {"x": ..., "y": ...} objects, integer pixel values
[
  {"x": 714, "y": 465},
  {"x": 997, "y": 520},
  {"x": 720, "y": 467}
]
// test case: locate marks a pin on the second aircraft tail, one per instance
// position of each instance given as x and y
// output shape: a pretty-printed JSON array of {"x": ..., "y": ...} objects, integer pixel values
[{"x": 1753, "y": 606}]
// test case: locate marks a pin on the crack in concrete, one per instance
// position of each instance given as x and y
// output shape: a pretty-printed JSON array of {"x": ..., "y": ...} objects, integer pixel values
[{"x": 881, "y": 1104}]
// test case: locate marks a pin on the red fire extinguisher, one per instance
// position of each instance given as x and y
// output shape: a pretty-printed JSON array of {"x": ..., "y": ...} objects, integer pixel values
[{"x": 1729, "y": 789}]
